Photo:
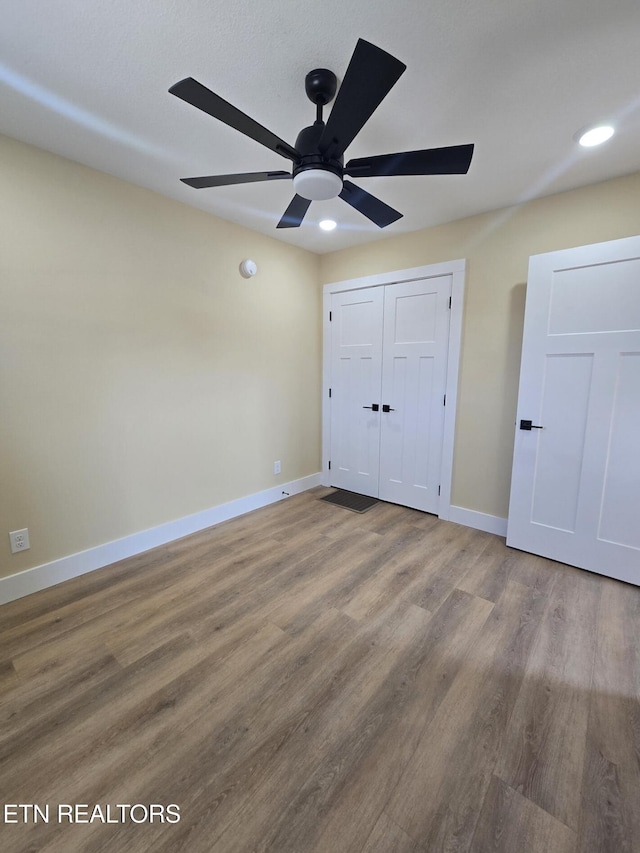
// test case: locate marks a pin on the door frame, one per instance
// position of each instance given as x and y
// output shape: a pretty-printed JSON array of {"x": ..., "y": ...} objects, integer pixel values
[{"x": 457, "y": 270}]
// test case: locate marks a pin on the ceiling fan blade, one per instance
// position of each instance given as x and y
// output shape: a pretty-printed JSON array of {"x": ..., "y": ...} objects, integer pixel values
[
  {"x": 370, "y": 206},
  {"x": 204, "y": 99},
  {"x": 294, "y": 214},
  {"x": 454, "y": 160},
  {"x": 370, "y": 76},
  {"x": 240, "y": 178}
]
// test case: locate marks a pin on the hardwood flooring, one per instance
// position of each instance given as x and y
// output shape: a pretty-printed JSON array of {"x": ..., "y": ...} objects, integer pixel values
[{"x": 304, "y": 679}]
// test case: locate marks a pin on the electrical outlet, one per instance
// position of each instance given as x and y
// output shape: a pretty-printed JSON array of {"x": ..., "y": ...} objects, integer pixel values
[
  {"x": 19, "y": 540},
  {"x": 276, "y": 467}
]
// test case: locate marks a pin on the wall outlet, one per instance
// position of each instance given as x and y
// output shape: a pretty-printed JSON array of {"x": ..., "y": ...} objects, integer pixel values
[
  {"x": 19, "y": 540},
  {"x": 276, "y": 467}
]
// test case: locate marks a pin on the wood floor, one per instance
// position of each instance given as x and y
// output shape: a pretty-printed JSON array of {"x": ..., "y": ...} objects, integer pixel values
[{"x": 308, "y": 680}]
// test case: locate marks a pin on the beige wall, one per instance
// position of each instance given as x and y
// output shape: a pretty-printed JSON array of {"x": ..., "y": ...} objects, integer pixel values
[
  {"x": 497, "y": 247},
  {"x": 141, "y": 378}
]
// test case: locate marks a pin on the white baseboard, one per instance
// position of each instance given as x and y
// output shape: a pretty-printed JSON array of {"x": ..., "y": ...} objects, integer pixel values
[
  {"x": 50, "y": 574},
  {"x": 479, "y": 520}
]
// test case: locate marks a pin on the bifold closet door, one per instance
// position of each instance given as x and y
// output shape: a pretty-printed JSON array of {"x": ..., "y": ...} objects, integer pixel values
[
  {"x": 356, "y": 371},
  {"x": 388, "y": 378},
  {"x": 414, "y": 373}
]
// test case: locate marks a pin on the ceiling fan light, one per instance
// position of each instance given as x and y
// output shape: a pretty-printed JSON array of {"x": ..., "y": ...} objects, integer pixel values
[
  {"x": 327, "y": 224},
  {"x": 317, "y": 184}
]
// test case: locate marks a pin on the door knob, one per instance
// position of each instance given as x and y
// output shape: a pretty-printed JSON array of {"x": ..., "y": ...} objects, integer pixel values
[
  {"x": 374, "y": 407},
  {"x": 387, "y": 408},
  {"x": 529, "y": 425}
]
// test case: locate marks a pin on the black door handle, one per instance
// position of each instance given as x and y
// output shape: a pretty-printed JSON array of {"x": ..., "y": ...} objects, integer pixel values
[
  {"x": 387, "y": 408},
  {"x": 529, "y": 425},
  {"x": 374, "y": 407}
]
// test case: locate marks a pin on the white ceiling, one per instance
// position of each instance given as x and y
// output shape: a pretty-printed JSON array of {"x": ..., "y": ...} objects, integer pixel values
[{"x": 89, "y": 81}]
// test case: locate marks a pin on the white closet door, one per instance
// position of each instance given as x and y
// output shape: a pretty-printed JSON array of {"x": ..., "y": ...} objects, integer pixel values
[
  {"x": 414, "y": 370},
  {"x": 356, "y": 367},
  {"x": 575, "y": 493}
]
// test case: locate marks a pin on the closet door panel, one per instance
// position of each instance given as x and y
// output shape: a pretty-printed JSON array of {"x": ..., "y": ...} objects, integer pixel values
[
  {"x": 414, "y": 366},
  {"x": 356, "y": 368}
]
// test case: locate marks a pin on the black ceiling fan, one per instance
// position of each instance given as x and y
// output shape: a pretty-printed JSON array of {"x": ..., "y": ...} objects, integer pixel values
[{"x": 318, "y": 163}]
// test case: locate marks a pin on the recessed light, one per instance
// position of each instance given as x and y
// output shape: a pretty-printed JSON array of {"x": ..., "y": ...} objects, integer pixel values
[
  {"x": 595, "y": 135},
  {"x": 327, "y": 224}
]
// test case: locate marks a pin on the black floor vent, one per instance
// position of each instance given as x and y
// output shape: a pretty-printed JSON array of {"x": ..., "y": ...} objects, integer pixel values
[{"x": 350, "y": 500}]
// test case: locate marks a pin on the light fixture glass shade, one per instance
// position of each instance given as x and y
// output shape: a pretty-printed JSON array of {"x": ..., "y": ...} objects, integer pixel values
[{"x": 317, "y": 184}]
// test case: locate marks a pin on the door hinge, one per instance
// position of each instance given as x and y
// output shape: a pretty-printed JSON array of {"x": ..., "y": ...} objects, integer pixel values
[
  {"x": 330, "y": 317},
  {"x": 438, "y": 490},
  {"x": 444, "y": 402},
  {"x": 449, "y": 302},
  {"x": 329, "y": 391},
  {"x": 329, "y": 464}
]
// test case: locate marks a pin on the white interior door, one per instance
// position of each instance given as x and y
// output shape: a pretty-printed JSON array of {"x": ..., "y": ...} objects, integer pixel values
[
  {"x": 414, "y": 373},
  {"x": 575, "y": 494},
  {"x": 388, "y": 378},
  {"x": 356, "y": 367}
]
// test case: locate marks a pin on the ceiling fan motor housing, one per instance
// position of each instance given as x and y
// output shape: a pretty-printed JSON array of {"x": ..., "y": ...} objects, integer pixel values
[{"x": 316, "y": 177}]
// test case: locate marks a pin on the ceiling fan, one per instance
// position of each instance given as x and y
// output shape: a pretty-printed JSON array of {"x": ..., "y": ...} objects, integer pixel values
[{"x": 318, "y": 163}]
